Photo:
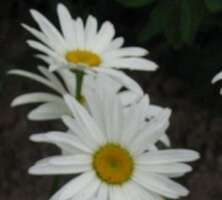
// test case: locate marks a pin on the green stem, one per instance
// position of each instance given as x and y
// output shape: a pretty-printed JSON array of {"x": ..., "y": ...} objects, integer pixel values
[
  {"x": 55, "y": 185},
  {"x": 79, "y": 81}
]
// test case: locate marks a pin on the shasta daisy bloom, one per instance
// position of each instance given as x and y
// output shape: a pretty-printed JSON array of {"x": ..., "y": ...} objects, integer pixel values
[
  {"x": 84, "y": 46},
  {"x": 112, "y": 154}
]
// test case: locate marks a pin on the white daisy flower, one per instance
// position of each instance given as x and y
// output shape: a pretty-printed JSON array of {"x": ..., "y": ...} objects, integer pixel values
[
  {"x": 216, "y": 78},
  {"x": 84, "y": 47},
  {"x": 112, "y": 154}
]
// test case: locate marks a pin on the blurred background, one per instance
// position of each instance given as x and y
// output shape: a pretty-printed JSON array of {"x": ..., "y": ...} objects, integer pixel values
[{"x": 184, "y": 38}]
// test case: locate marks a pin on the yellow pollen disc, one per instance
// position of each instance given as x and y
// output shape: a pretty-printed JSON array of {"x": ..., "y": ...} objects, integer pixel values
[
  {"x": 113, "y": 164},
  {"x": 83, "y": 57}
]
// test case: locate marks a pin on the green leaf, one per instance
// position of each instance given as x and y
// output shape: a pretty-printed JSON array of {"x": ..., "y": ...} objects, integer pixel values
[
  {"x": 183, "y": 22},
  {"x": 155, "y": 24},
  {"x": 192, "y": 13},
  {"x": 214, "y": 5},
  {"x": 135, "y": 3}
]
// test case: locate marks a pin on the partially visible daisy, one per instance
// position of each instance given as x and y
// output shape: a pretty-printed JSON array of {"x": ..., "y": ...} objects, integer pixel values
[
  {"x": 84, "y": 46},
  {"x": 64, "y": 82},
  {"x": 111, "y": 153},
  {"x": 216, "y": 78},
  {"x": 52, "y": 105}
]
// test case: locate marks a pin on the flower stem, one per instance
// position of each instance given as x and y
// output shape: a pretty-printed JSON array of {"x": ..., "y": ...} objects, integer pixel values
[
  {"x": 55, "y": 185},
  {"x": 79, "y": 81}
]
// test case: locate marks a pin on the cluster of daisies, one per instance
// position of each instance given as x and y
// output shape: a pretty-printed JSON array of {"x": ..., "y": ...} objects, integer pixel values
[{"x": 113, "y": 133}]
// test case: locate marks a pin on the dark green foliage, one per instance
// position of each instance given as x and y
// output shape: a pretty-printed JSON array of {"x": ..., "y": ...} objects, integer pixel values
[
  {"x": 135, "y": 3},
  {"x": 214, "y": 5},
  {"x": 178, "y": 21}
]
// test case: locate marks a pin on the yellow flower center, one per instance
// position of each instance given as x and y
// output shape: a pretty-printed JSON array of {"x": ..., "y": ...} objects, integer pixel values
[
  {"x": 113, "y": 164},
  {"x": 83, "y": 57}
]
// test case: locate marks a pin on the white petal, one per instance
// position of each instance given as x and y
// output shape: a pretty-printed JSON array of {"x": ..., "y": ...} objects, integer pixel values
[
  {"x": 84, "y": 119},
  {"x": 95, "y": 108},
  {"x": 117, "y": 193},
  {"x": 70, "y": 80},
  {"x": 59, "y": 138},
  {"x": 48, "y": 166},
  {"x": 128, "y": 97},
  {"x": 81, "y": 132},
  {"x": 132, "y": 64},
  {"x": 125, "y": 52},
  {"x": 134, "y": 114},
  {"x": 39, "y": 35},
  {"x": 217, "y": 77},
  {"x": 80, "y": 33},
  {"x": 35, "y": 77},
  {"x": 152, "y": 132},
  {"x": 123, "y": 79},
  {"x": 51, "y": 32},
  {"x": 44, "y": 58},
  {"x": 35, "y": 97},
  {"x": 165, "y": 140},
  {"x": 94, "y": 81},
  {"x": 90, "y": 31},
  {"x": 165, "y": 168},
  {"x": 91, "y": 189},
  {"x": 134, "y": 191},
  {"x": 115, "y": 44},
  {"x": 160, "y": 185},
  {"x": 66, "y": 23},
  {"x": 104, "y": 36},
  {"x": 103, "y": 192},
  {"x": 42, "y": 48},
  {"x": 168, "y": 156},
  {"x": 74, "y": 186},
  {"x": 49, "y": 111},
  {"x": 52, "y": 78},
  {"x": 79, "y": 159}
]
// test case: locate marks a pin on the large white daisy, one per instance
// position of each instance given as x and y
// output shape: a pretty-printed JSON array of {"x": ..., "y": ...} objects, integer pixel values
[
  {"x": 84, "y": 47},
  {"x": 112, "y": 154}
]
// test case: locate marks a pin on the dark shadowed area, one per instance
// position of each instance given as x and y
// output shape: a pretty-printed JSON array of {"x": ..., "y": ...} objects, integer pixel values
[{"x": 184, "y": 38}]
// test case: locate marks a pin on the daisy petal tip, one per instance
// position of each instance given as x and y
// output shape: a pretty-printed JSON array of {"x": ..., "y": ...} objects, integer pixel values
[
  {"x": 33, "y": 12},
  {"x": 185, "y": 192},
  {"x": 61, "y": 7},
  {"x": 33, "y": 170},
  {"x": 10, "y": 72},
  {"x": 197, "y": 156},
  {"x": 53, "y": 68},
  {"x": 14, "y": 103},
  {"x": 35, "y": 137},
  {"x": 64, "y": 118},
  {"x": 68, "y": 98},
  {"x": 154, "y": 66},
  {"x": 214, "y": 80},
  {"x": 31, "y": 116},
  {"x": 23, "y": 25}
]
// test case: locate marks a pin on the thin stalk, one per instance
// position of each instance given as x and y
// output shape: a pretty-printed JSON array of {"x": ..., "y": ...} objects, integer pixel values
[
  {"x": 79, "y": 81},
  {"x": 55, "y": 185}
]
